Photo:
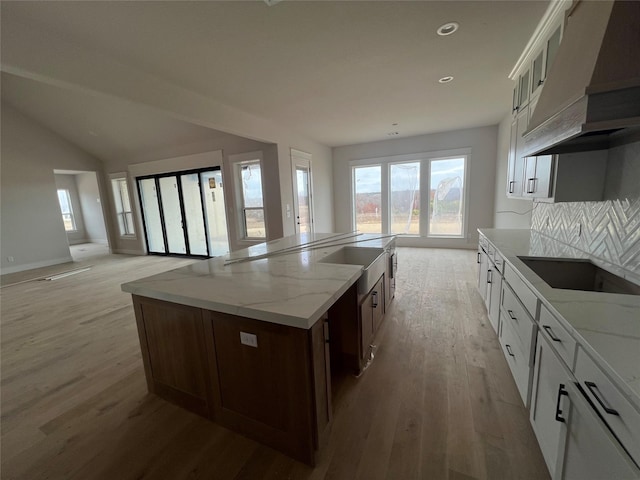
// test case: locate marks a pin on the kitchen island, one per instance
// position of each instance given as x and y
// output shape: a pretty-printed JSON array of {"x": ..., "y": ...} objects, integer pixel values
[{"x": 246, "y": 343}]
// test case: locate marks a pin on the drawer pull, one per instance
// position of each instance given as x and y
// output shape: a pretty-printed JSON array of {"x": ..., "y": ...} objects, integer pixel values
[
  {"x": 510, "y": 312},
  {"x": 561, "y": 392},
  {"x": 478, "y": 257},
  {"x": 550, "y": 332},
  {"x": 594, "y": 391},
  {"x": 508, "y": 347}
]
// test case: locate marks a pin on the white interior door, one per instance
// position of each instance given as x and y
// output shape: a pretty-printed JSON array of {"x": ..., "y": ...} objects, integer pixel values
[{"x": 302, "y": 191}]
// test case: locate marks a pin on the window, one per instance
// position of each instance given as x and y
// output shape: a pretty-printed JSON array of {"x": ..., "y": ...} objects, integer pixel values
[
  {"x": 446, "y": 198},
  {"x": 67, "y": 212},
  {"x": 252, "y": 201},
  {"x": 416, "y": 194},
  {"x": 367, "y": 186},
  {"x": 404, "y": 198},
  {"x": 123, "y": 206}
]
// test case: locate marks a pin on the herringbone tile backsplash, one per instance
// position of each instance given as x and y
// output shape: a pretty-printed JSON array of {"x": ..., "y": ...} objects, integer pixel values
[{"x": 609, "y": 230}]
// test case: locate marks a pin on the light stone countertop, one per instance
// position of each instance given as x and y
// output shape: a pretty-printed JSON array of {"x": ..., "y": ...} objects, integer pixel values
[
  {"x": 607, "y": 325},
  {"x": 291, "y": 289}
]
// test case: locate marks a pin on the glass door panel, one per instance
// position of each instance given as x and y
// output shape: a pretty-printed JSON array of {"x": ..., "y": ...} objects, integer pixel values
[
  {"x": 193, "y": 214},
  {"x": 215, "y": 213},
  {"x": 405, "y": 198},
  {"x": 303, "y": 200},
  {"x": 152, "y": 218},
  {"x": 172, "y": 214},
  {"x": 368, "y": 199}
]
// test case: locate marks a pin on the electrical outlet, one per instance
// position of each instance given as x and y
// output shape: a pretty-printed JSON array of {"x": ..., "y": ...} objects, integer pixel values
[{"x": 249, "y": 339}]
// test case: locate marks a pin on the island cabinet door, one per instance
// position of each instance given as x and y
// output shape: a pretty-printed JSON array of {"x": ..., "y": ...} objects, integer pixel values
[
  {"x": 263, "y": 382},
  {"x": 174, "y": 353}
]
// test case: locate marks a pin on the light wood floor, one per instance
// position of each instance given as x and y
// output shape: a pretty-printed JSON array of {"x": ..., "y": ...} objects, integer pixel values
[{"x": 438, "y": 401}]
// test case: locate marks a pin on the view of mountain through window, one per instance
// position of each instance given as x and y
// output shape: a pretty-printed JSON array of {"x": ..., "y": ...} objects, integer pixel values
[{"x": 446, "y": 197}]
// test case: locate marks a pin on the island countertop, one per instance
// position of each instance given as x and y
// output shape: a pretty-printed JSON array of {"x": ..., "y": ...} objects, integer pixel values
[
  {"x": 291, "y": 289},
  {"x": 607, "y": 325}
]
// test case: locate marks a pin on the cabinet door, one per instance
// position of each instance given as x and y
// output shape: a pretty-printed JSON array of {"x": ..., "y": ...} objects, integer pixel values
[
  {"x": 377, "y": 304},
  {"x": 537, "y": 71},
  {"x": 549, "y": 404},
  {"x": 592, "y": 453},
  {"x": 538, "y": 176},
  {"x": 516, "y": 174},
  {"x": 511, "y": 183},
  {"x": 552, "y": 48},
  {"x": 524, "y": 90},
  {"x": 366, "y": 326},
  {"x": 483, "y": 267},
  {"x": 494, "y": 298}
]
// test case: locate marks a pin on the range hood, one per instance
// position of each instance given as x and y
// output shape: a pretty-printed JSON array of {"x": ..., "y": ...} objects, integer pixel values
[{"x": 591, "y": 97}]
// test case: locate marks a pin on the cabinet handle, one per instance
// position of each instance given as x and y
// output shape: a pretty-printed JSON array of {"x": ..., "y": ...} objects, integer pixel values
[
  {"x": 478, "y": 257},
  {"x": 489, "y": 276},
  {"x": 326, "y": 332},
  {"x": 550, "y": 332},
  {"x": 594, "y": 389},
  {"x": 561, "y": 392},
  {"x": 540, "y": 82},
  {"x": 374, "y": 299},
  {"x": 511, "y": 316},
  {"x": 529, "y": 185},
  {"x": 511, "y": 183},
  {"x": 508, "y": 347}
]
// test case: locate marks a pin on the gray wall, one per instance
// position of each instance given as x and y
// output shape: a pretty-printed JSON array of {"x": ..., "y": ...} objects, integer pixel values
[
  {"x": 31, "y": 229},
  {"x": 480, "y": 177},
  {"x": 91, "y": 204}
]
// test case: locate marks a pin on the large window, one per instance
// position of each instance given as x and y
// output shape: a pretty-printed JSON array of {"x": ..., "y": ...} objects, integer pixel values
[
  {"x": 367, "y": 187},
  {"x": 404, "y": 198},
  {"x": 252, "y": 200},
  {"x": 67, "y": 212},
  {"x": 410, "y": 195},
  {"x": 123, "y": 206},
  {"x": 446, "y": 196}
]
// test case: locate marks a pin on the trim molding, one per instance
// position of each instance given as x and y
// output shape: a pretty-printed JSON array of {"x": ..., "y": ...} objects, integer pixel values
[
  {"x": 554, "y": 11},
  {"x": 31, "y": 266}
]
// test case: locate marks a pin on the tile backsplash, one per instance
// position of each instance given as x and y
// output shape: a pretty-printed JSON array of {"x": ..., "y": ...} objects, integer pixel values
[{"x": 608, "y": 230}]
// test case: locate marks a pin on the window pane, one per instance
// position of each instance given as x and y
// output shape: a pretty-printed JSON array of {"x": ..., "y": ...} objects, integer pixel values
[
  {"x": 368, "y": 196},
  {"x": 405, "y": 198},
  {"x": 251, "y": 185},
  {"x": 193, "y": 213},
  {"x": 254, "y": 223},
  {"x": 151, "y": 212},
  {"x": 172, "y": 214},
  {"x": 124, "y": 194},
  {"x": 446, "y": 199},
  {"x": 65, "y": 203}
]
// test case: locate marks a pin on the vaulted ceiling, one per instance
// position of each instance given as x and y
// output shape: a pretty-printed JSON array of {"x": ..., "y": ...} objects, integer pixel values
[{"x": 338, "y": 72}]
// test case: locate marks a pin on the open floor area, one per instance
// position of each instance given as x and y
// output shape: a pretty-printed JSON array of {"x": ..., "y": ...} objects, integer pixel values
[{"x": 437, "y": 402}]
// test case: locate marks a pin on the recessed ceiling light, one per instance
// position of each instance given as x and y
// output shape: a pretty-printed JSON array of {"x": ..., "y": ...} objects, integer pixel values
[
  {"x": 447, "y": 29},
  {"x": 446, "y": 79}
]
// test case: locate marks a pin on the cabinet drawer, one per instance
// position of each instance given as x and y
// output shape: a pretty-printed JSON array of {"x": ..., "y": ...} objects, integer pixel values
[
  {"x": 620, "y": 415},
  {"x": 524, "y": 293},
  {"x": 562, "y": 342},
  {"x": 517, "y": 360},
  {"x": 518, "y": 318}
]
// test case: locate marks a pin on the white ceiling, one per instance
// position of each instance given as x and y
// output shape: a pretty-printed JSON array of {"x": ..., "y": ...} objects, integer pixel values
[{"x": 338, "y": 72}]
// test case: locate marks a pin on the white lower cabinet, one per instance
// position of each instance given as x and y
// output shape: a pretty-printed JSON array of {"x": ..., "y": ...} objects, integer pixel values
[
  {"x": 592, "y": 452},
  {"x": 575, "y": 442},
  {"x": 549, "y": 404}
]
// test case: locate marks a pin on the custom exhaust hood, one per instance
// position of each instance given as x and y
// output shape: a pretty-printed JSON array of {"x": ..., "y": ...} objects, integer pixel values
[{"x": 591, "y": 97}]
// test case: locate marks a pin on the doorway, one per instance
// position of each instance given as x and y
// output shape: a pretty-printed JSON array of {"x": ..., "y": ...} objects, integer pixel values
[
  {"x": 302, "y": 191},
  {"x": 184, "y": 213}
]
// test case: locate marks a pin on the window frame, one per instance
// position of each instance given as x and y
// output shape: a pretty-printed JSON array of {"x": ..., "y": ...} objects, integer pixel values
[
  {"x": 118, "y": 202},
  {"x": 70, "y": 213},
  {"x": 425, "y": 159}
]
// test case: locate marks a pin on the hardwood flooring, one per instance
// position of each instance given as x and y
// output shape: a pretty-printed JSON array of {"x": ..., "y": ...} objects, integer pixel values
[{"x": 437, "y": 402}]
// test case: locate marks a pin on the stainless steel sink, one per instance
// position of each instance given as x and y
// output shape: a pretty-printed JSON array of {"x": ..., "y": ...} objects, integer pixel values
[
  {"x": 577, "y": 274},
  {"x": 372, "y": 259}
]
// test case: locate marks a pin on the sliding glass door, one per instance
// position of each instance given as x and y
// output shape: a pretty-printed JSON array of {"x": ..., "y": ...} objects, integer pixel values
[{"x": 182, "y": 215}]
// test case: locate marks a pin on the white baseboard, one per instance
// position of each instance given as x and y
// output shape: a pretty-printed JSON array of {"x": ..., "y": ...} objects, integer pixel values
[
  {"x": 31, "y": 266},
  {"x": 129, "y": 252}
]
